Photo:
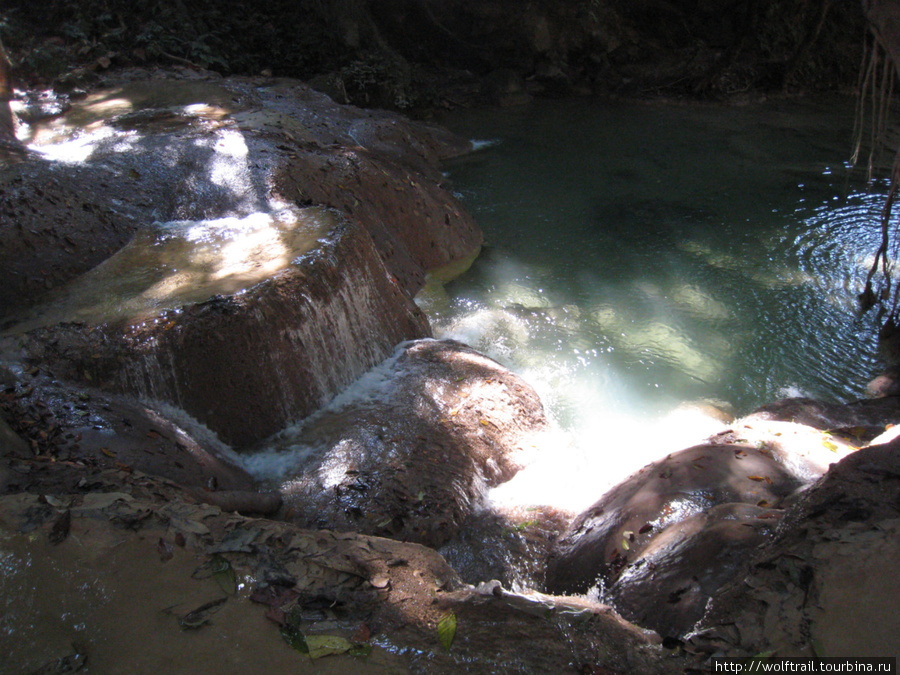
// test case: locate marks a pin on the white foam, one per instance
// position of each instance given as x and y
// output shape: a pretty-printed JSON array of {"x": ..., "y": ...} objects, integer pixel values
[
  {"x": 284, "y": 455},
  {"x": 478, "y": 144}
]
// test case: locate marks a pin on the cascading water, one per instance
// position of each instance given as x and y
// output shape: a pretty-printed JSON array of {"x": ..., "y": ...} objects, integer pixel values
[{"x": 649, "y": 268}]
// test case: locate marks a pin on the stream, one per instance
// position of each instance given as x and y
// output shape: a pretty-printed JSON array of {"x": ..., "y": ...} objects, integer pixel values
[{"x": 652, "y": 268}]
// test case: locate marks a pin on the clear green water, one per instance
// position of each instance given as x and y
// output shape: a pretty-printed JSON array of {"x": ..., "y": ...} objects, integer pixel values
[{"x": 643, "y": 256}]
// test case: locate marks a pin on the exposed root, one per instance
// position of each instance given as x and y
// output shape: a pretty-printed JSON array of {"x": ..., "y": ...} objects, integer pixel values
[{"x": 876, "y": 87}]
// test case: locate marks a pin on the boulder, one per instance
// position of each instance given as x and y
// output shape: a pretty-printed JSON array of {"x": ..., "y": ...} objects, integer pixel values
[
  {"x": 410, "y": 455},
  {"x": 664, "y": 542},
  {"x": 613, "y": 533},
  {"x": 826, "y": 584},
  {"x": 667, "y": 586},
  {"x": 246, "y": 324}
]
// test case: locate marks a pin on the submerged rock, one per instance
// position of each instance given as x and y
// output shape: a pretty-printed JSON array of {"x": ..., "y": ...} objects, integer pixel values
[{"x": 411, "y": 455}]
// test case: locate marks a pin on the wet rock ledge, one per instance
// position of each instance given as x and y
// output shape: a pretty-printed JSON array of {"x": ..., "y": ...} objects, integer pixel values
[{"x": 255, "y": 246}]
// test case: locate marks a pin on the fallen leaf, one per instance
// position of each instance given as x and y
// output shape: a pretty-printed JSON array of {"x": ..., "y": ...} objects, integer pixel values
[
  {"x": 201, "y": 615},
  {"x": 60, "y": 529},
  {"x": 380, "y": 581},
  {"x": 294, "y": 637},
  {"x": 223, "y": 573},
  {"x": 362, "y": 634},
  {"x": 757, "y": 478},
  {"x": 360, "y": 650},
  {"x": 447, "y": 630},
  {"x": 327, "y": 645}
]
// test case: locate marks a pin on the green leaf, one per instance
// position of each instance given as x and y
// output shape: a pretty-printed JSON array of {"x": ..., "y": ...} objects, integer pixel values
[
  {"x": 830, "y": 446},
  {"x": 223, "y": 573},
  {"x": 326, "y": 645},
  {"x": 295, "y": 638},
  {"x": 447, "y": 630},
  {"x": 360, "y": 650}
]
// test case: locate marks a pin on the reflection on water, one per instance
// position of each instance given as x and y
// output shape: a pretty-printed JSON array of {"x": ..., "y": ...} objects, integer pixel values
[{"x": 643, "y": 257}]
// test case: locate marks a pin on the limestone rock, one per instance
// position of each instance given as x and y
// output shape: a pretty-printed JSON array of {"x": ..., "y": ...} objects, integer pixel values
[
  {"x": 667, "y": 586},
  {"x": 70, "y": 425},
  {"x": 210, "y": 148},
  {"x": 614, "y": 532},
  {"x": 826, "y": 585},
  {"x": 244, "y": 340},
  {"x": 411, "y": 457},
  {"x": 867, "y": 418}
]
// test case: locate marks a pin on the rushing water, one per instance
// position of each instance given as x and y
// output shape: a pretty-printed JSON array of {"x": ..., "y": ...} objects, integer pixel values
[{"x": 641, "y": 258}]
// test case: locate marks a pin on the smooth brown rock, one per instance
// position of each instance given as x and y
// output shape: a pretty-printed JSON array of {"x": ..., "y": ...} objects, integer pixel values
[
  {"x": 412, "y": 460},
  {"x": 666, "y": 588},
  {"x": 245, "y": 363},
  {"x": 826, "y": 585},
  {"x": 615, "y": 531}
]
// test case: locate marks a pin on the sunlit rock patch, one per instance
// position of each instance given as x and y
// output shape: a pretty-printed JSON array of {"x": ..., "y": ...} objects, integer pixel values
[{"x": 163, "y": 149}]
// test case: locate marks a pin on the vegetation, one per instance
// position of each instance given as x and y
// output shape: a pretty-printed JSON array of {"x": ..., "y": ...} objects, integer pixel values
[{"x": 377, "y": 49}]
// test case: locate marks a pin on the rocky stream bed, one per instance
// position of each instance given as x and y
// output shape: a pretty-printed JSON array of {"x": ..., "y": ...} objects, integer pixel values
[{"x": 191, "y": 265}]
